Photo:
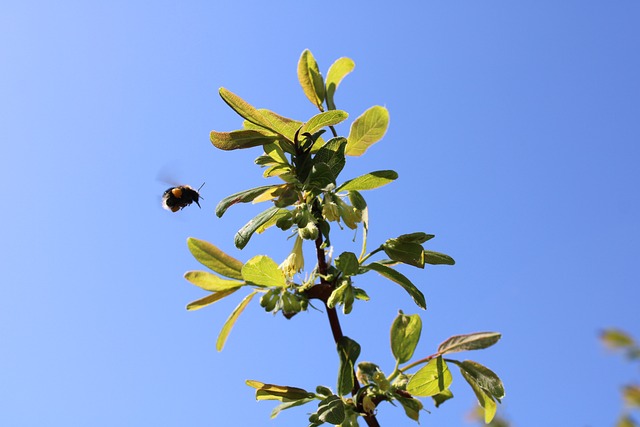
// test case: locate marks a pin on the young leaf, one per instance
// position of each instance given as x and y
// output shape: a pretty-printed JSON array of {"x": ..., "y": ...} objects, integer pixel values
[
  {"x": 338, "y": 70},
  {"x": 400, "y": 279},
  {"x": 436, "y": 258},
  {"x": 431, "y": 379},
  {"x": 474, "y": 341},
  {"x": 320, "y": 176},
  {"x": 369, "y": 181},
  {"x": 228, "y": 325},
  {"x": 412, "y": 407},
  {"x": 366, "y": 130},
  {"x": 615, "y": 338},
  {"x": 357, "y": 200},
  {"x": 405, "y": 334},
  {"x": 332, "y": 153},
  {"x": 311, "y": 79},
  {"x": 348, "y": 350},
  {"x": 244, "y": 196},
  {"x": 440, "y": 398},
  {"x": 282, "y": 393},
  {"x": 406, "y": 252},
  {"x": 347, "y": 262},
  {"x": 212, "y": 257},
  {"x": 211, "y": 282},
  {"x": 327, "y": 118},
  {"x": 244, "y": 109},
  {"x": 418, "y": 237},
  {"x": 244, "y": 234},
  {"x": 239, "y": 139},
  {"x": 282, "y": 125},
  {"x": 483, "y": 377},
  {"x": 263, "y": 271},
  {"x": 485, "y": 400},
  {"x": 331, "y": 410},
  {"x": 288, "y": 405},
  {"x": 209, "y": 299}
]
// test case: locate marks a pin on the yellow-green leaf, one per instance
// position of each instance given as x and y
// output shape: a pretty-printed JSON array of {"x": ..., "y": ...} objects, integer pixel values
[
  {"x": 369, "y": 181},
  {"x": 327, "y": 118},
  {"x": 212, "y": 257},
  {"x": 263, "y": 271},
  {"x": 211, "y": 282},
  {"x": 311, "y": 79},
  {"x": 244, "y": 109},
  {"x": 239, "y": 139},
  {"x": 338, "y": 70},
  {"x": 405, "y": 334},
  {"x": 228, "y": 325},
  {"x": 431, "y": 379},
  {"x": 367, "y": 129},
  {"x": 209, "y": 299}
]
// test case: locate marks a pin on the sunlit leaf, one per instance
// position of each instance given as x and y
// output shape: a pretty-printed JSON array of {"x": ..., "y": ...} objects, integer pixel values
[
  {"x": 366, "y": 130},
  {"x": 405, "y": 334},
  {"x": 228, "y": 325},
  {"x": 282, "y": 393},
  {"x": 332, "y": 153},
  {"x": 244, "y": 234},
  {"x": 400, "y": 279},
  {"x": 484, "y": 399},
  {"x": 418, "y": 237},
  {"x": 311, "y": 79},
  {"x": 406, "y": 252},
  {"x": 431, "y": 379},
  {"x": 440, "y": 398},
  {"x": 484, "y": 377},
  {"x": 288, "y": 405},
  {"x": 327, "y": 118},
  {"x": 209, "y": 299},
  {"x": 244, "y": 196},
  {"x": 474, "y": 341},
  {"x": 615, "y": 338},
  {"x": 436, "y": 258},
  {"x": 244, "y": 109},
  {"x": 263, "y": 271},
  {"x": 211, "y": 282},
  {"x": 239, "y": 139},
  {"x": 347, "y": 263},
  {"x": 412, "y": 407},
  {"x": 215, "y": 259},
  {"x": 369, "y": 181},
  {"x": 331, "y": 410},
  {"x": 282, "y": 125},
  {"x": 338, "y": 70}
]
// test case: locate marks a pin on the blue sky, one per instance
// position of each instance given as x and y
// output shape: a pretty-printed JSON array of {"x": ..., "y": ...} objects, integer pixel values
[{"x": 515, "y": 131}]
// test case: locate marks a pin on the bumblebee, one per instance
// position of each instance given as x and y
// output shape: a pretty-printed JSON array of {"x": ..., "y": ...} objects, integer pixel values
[{"x": 176, "y": 198}]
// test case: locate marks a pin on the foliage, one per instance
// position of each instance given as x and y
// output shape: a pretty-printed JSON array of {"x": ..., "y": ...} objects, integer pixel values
[
  {"x": 621, "y": 341},
  {"x": 307, "y": 199}
]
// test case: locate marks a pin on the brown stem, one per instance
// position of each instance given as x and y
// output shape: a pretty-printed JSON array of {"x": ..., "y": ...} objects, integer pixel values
[{"x": 323, "y": 292}]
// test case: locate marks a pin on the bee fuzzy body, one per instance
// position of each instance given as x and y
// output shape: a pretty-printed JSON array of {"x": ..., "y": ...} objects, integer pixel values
[{"x": 176, "y": 198}]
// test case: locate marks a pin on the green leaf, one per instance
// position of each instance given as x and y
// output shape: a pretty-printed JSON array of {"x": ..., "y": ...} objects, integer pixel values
[
  {"x": 273, "y": 220},
  {"x": 418, "y": 237},
  {"x": 485, "y": 399},
  {"x": 357, "y": 200},
  {"x": 210, "y": 282},
  {"x": 332, "y": 153},
  {"x": 406, "y": 252},
  {"x": 239, "y": 139},
  {"x": 412, "y": 407},
  {"x": 320, "y": 176},
  {"x": 483, "y": 377},
  {"x": 209, "y": 299},
  {"x": 435, "y": 258},
  {"x": 474, "y": 341},
  {"x": 244, "y": 234},
  {"x": 244, "y": 109},
  {"x": 405, "y": 334},
  {"x": 288, "y": 405},
  {"x": 348, "y": 350},
  {"x": 311, "y": 79},
  {"x": 244, "y": 196},
  {"x": 440, "y": 398},
  {"x": 615, "y": 338},
  {"x": 228, "y": 325},
  {"x": 366, "y": 130},
  {"x": 327, "y": 118},
  {"x": 338, "y": 70},
  {"x": 369, "y": 181},
  {"x": 282, "y": 393},
  {"x": 431, "y": 379},
  {"x": 400, "y": 279},
  {"x": 347, "y": 262},
  {"x": 331, "y": 410},
  {"x": 282, "y": 125},
  {"x": 215, "y": 259},
  {"x": 263, "y": 271}
]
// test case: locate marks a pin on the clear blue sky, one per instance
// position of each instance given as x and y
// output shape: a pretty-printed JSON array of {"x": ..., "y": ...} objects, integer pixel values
[{"x": 515, "y": 129}]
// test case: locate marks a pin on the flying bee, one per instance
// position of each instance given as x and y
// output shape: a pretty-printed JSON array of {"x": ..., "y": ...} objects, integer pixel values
[{"x": 176, "y": 198}]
